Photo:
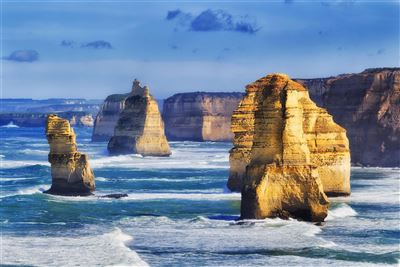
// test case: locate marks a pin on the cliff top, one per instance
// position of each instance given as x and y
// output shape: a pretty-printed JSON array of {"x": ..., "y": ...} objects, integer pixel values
[
  {"x": 205, "y": 94},
  {"x": 57, "y": 125},
  {"x": 116, "y": 97},
  {"x": 276, "y": 81}
]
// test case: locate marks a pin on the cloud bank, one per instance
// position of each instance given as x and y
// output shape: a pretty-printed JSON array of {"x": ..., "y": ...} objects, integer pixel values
[
  {"x": 213, "y": 20},
  {"x": 23, "y": 56}
]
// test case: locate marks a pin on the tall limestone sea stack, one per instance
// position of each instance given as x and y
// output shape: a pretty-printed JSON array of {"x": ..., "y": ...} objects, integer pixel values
[
  {"x": 140, "y": 128},
  {"x": 287, "y": 152},
  {"x": 70, "y": 170}
]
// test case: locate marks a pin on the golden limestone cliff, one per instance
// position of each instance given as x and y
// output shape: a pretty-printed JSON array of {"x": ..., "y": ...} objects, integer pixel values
[
  {"x": 140, "y": 128},
  {"x": 287, "y": 152},
  {"x": 70, "y": 170}
]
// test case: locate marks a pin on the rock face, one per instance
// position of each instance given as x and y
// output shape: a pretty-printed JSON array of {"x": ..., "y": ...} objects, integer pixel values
[
  {"x": 367, "y": 105},
  {"x": 70, "y": 170},
  {"x": 28, "y": 119},
  {"x": 140, "y": 129},
  {"x": 200, "y": 116},
  {"x": 107, "y": 118},
  {"x": 287, "y": 152}
]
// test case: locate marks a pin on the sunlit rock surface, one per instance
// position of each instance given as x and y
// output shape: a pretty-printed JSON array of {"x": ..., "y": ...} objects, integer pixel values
[
  {"x": 367, "y": 105},
  {"x": 70, "y": 170},
  {"x": 287, "y": 152},
  {"x": 140, "y": 128}
]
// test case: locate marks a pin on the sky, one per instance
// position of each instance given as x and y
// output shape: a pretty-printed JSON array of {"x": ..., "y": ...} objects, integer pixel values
[{"x": 91, "y": 49}]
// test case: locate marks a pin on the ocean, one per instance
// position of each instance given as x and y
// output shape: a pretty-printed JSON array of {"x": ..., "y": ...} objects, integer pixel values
[{"x": 178, "y": 213}]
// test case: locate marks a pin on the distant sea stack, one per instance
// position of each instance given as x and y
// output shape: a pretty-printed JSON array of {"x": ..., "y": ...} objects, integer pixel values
[
  {"x": 287, "y": 152},
  {"x": 70, "y": 170},
  {"x": 107, "y": 118},
  {"x": 367, "y": 105},
  {"x": 200, "y": 116},
  {"x": 140, "y": 128}
]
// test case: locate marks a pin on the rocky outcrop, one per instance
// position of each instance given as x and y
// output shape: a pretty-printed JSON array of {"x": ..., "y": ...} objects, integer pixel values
[
  {"x": 367, "y": 105},
  {"x": 27, "y": 119},
  {"x": 287, "y": 152},
  {"x": 70, "y": 170},
  {"x": 107, "y": 118},
  {"x": 200, "y": 116},
  {"x": 140, "y": 128}
]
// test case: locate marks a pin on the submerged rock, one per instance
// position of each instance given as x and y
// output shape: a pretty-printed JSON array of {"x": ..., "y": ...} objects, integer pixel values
[
  {"x": 200, "y": 116},
  {"x": 70, "y": 170},
  {"x": 140, "y": 128},
  {"x": 287, "y": 152}
]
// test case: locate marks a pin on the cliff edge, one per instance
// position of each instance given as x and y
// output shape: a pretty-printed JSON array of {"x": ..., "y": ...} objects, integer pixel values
[{"x": 200, "y": 116}]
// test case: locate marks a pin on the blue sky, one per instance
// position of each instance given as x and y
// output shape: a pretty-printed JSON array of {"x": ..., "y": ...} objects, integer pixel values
[{"x": 93, "y": 49}]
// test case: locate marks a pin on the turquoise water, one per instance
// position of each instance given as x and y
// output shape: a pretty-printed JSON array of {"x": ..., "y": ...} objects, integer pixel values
[{"x": 178, "y": 213}]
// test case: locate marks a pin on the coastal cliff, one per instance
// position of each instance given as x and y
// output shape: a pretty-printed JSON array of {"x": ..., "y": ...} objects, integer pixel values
[
  {"x": 70, "y": 170},
  {"x": 287, "y": 152},
  {"x": 140, "y": 128},
  {"x": 367, "y": 105},
  {"x": 30, "y": 119},
  {"x": 200, "y": 116},
  {"x": 107, "y": 118}
]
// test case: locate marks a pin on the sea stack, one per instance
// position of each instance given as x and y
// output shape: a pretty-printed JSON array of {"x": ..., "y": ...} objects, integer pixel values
[
  {"x": 70, "y": 170},
  {"x": 140, "y": 128},
  {"x": 287, "y": 152}
]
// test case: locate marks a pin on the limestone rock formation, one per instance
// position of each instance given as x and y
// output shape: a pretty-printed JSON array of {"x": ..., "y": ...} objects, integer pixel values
[
  {"x": 287, "y": 152},
  {"x": 140, "y": 128},
  {"x": 107, "y": 118},
  {"x": 70, "y": 170},
  {"x": 200, "y": 116},
  {"x": 367, "y": 105}
]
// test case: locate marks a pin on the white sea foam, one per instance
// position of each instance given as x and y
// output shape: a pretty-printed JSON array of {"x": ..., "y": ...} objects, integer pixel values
[
  {"x": 9, "y": 164},
  {"x": 222, "y": 236},
  {"x": 342, "y": 211},
  {"x": 4, "y": 179},
  {"x": 10, "y": 125},
  {"x": 27, "y": 191},
  {"x": 188, "y": 196},
  {"x": 107, "y": 249},
  {"x": 34, "y": 151}
]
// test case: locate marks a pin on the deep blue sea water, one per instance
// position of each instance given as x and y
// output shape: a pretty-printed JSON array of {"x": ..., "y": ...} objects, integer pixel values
[{"x": 178, "y": 213}]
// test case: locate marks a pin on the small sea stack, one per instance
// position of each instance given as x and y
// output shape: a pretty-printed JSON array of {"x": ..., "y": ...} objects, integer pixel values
[
  {"x": 287, "y": 152},
  {"x": 140, "y": 128},
  {"x": 70, "y": 170}
]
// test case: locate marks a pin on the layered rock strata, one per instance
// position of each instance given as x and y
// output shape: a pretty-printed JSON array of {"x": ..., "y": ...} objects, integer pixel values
[
  {"x": 140, "y": 128},
  {"x": 200, "y": 116},
  {"x": 367, "y": 105},
  {"x": 107, "y": 118},
  {"x": 287, "y": 152},
  {"x": 70, "y": 170}
]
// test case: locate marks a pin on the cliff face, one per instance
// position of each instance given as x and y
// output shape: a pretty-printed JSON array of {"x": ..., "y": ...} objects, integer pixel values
[
  {"x": 27, "y": 119},
  {"x": 107, "y": 118},
  {"x": 200, "y": 116},
  {"x": 368, "y": 106},
  {"x": 70, "y": 170},
  {"x": 140, "y": 129},
  {"x": 287, "y": 152}
]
